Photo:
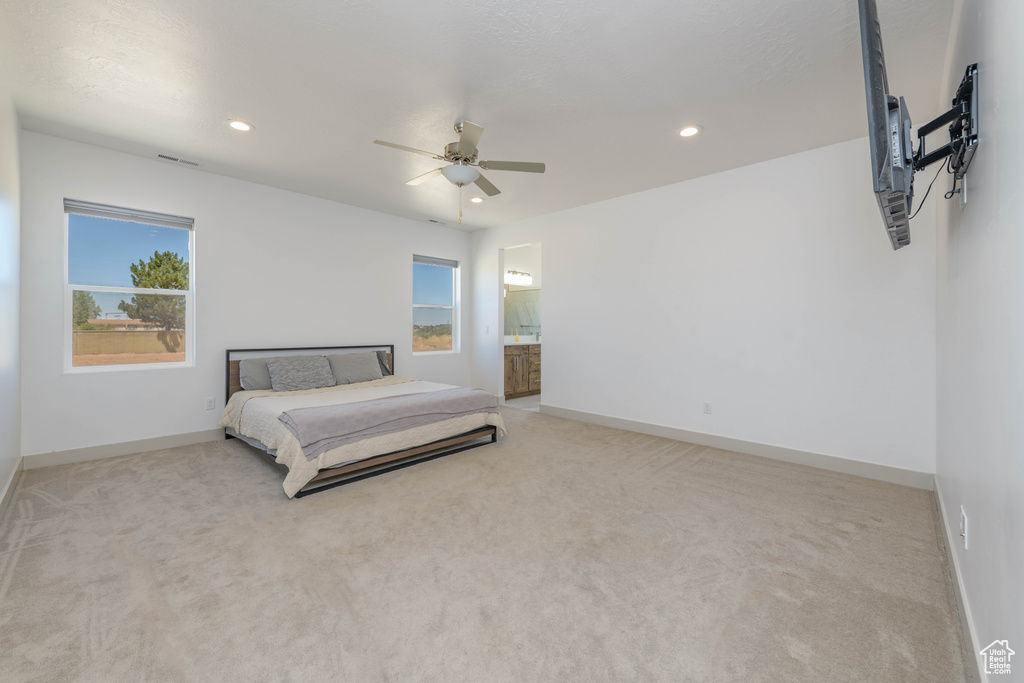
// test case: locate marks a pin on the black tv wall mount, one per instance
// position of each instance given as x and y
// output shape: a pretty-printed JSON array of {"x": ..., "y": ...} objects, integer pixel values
[{"x": 963, "y": 129}]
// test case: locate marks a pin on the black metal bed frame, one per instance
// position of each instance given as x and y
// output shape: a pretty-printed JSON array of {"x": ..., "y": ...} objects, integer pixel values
[{"x": 402, "y": 464}]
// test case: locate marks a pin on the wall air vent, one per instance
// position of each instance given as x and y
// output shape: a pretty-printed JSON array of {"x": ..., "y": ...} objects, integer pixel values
[{"x": 178, "y": 160}]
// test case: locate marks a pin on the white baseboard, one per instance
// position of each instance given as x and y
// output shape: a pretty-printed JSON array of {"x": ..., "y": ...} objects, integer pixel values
[
  {"x": 32, "y": 462},
  {"x": 12, "y": 483},
  {"x": 870, "y": 470},
  {"x": 970, "y": 636}
]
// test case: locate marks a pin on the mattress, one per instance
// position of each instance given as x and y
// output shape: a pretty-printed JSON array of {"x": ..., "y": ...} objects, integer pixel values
[{"x": 254, "y": 415}]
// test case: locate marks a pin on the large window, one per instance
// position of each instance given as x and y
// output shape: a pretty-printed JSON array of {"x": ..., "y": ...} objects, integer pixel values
[
  {"x": 128, "y": 291},
  {"x": 434, "y": 304}
]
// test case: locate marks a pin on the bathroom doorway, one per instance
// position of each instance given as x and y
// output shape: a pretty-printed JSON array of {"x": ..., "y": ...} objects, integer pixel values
[{"x": 523, "y": 326}]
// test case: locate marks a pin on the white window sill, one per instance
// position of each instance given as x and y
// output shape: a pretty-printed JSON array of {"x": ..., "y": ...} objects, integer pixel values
[{"x": 89, "y": 369}]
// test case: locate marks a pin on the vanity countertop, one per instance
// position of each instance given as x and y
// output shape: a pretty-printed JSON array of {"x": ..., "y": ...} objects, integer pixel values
[{"x": 524, "y": 340}]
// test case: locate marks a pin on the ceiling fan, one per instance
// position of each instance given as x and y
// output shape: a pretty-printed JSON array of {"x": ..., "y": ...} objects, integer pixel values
[{"x": 462, "y": 158}]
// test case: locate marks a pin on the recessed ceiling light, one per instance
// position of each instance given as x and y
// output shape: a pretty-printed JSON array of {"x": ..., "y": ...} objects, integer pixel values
[
  {"x": 241, "y": 125},
  {"x": 476, "y": 200},
  {"x": 690, "y": 131}
]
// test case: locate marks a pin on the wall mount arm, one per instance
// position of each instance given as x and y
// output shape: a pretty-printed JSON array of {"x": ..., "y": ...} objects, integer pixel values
[{"x": 963, "y": 128}]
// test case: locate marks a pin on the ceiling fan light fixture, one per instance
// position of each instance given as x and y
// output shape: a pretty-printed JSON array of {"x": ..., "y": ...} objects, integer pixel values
[
  {"x": 477, "y": 200},
  {"x": 690, "y": 131},
  {"x": 458, "y": 174}
]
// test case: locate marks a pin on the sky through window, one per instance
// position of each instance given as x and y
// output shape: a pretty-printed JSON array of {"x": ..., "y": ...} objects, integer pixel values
[{"x": 102, "y": 250}]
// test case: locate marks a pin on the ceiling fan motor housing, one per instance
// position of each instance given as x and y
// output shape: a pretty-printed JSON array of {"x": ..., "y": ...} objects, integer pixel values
[{"x": 452, "y": 154}]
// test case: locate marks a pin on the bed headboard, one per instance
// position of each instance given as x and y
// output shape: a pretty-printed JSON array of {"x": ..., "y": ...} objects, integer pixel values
[{"x": 235, "y": 355}]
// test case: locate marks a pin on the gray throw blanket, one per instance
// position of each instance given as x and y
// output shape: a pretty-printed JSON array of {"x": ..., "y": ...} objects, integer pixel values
[{"x": 322, "y": 428}]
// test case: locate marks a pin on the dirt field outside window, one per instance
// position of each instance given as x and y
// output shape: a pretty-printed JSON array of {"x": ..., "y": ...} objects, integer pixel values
[{"x": 441, "y": 342}]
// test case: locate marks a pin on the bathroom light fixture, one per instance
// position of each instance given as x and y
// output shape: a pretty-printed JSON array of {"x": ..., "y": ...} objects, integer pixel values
[
  {"x": 241, "y": 125},
  {"x": 514, "y": 277},
  {"x": 690, "y": 131}
]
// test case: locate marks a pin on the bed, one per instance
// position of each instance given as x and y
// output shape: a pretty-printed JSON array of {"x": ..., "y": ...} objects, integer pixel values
[{"x": 327, "y": 416}]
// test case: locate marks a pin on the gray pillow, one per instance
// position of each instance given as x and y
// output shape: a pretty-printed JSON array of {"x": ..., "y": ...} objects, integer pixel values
[
  {"x": 300, "y": 372},
  {"x": 253, "y": 373},
  {"x": 355, "y": 367}
]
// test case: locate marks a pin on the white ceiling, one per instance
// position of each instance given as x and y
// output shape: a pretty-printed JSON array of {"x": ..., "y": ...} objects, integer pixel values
[{"x": 596, "y": 89}]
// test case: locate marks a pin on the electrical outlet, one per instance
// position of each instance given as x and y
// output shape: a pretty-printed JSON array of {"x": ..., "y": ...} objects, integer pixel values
[
  {"x": 211, "y": 402},
  {"x": 707, "y": 407},
  {"x": 963, "y": 526}
]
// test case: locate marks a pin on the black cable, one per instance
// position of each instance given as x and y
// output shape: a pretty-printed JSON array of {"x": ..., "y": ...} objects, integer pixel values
[
  {"x": 921, "y": 205},
  {"x": 953, "y": 170},
  {"x": 950, "y": 168}
]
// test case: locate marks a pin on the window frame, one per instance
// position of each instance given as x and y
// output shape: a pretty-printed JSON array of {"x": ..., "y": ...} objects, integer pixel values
[
  {"x": 455, "y": 308},
  {"x": 143, "y": 218}
]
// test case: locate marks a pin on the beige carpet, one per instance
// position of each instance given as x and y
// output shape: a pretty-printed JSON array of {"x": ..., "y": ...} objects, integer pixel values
[{"x": 567, "y": 552}]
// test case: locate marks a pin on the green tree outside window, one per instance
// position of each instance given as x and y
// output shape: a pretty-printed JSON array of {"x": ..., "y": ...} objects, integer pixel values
[
  {"x": 164, "y": 270},
  {"x": 83, "y": 307}
]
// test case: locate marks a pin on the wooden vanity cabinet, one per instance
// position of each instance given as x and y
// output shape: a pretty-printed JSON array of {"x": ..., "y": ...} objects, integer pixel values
[
  {"x": 522, "y": 370},
  {"x": 534, "y": 373}
]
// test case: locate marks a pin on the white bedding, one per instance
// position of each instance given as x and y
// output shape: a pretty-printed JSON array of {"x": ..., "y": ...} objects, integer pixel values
[{"x": 255, "y": 414}]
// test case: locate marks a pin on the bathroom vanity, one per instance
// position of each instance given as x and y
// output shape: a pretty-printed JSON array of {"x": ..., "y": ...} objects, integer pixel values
[{"x": 522, "y": 369}]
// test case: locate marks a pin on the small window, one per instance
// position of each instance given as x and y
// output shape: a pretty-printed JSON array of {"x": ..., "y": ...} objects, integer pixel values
[
  {"x": 434, "y": 304},
  {"x": 129, "y": 288}
]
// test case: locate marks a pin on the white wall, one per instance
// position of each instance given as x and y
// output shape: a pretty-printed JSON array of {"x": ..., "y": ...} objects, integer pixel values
[
  {"x": 272, "y": 269},
  {"x": 10, "y": 260},
  {"x": 980, "y": 451},
  {"x": 769, "y": 290}
]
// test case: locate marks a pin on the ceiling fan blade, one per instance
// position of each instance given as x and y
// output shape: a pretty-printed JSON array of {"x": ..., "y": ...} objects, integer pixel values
[
  {"x": 527, "y": 166},
  {"x": 408, "y": 149},
  {"x": 469, "y": 138},
  {"x": 426, "y": 176},
  {"x": 485, "y": 185}
]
